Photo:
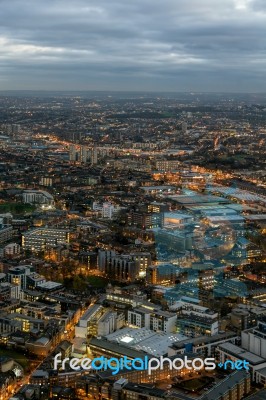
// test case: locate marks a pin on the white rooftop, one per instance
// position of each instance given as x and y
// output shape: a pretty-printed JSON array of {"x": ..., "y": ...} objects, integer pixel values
[
  {"x": 150, "y": 342},
  {"x": 49, "y": 285}
]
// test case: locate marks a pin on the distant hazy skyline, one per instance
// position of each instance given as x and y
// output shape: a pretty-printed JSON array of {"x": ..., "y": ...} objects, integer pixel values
[{"x": 150, "y": 45}]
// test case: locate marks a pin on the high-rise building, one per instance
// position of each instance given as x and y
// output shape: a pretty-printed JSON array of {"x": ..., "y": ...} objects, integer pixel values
[
  {"x": 46, "y": 181},
  {"x": 12, "y": 249},
  {"x": 143, "y": 261},
  {"x": 84, "y": 154},
  {"x": 6, "y": 231},
  {"x": 88, "y": 259},
  {"x": 108, "y": 210},
  {"x": 94, "y": 156},
  {"x": 145, "y": 220},
  {"x": 184, "y": 127},
  {"x": 155, "y": 320},
  {"x": 122, "y": 268},
  {"x": 18, "y": 275},
  {"x": 73, "y": 154},
  {"x": 162, "y": 274}
]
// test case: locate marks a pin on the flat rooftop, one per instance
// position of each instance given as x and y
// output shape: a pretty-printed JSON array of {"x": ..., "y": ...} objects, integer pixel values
[
  {"x": 241, "y": 353},
  {"x": 221, "y": 218},
  {"x": 197, "y": 199},
  {"x": 49, "y": 285},
  {"x": 144, "y": 340},
  {"x": 204, "y": 340},
  {"x": 114, "y": 348},
  {"x": 91, "y": 310}
]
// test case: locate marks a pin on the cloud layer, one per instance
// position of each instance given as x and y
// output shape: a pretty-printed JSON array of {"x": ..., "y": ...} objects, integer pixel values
[{"x": 177, "y": 45}]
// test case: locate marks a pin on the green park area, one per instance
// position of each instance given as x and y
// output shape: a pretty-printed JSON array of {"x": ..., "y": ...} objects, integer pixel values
[
  {"x": 80, "y": 282},
  {"x": 98, "y": 281},
  {"x": 20, "y": 358},
  {"x": 16, "y": 208}
]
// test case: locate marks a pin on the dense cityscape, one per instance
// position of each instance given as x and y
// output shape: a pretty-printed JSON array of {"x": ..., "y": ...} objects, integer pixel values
[{"x": 132, "y": 227}]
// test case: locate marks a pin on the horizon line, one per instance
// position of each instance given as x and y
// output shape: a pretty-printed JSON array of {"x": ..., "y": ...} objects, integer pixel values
[{"x": 192, "y": 92}]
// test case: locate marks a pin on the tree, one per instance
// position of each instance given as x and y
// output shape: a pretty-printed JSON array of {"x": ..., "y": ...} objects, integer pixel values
[{"x": 79, "y": 284}]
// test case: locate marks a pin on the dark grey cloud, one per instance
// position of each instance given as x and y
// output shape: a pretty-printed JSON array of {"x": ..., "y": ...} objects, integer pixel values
[{"x": 126, "y": 45}]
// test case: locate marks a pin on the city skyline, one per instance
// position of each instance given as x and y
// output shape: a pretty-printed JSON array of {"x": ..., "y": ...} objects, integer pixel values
[
  {"x": 151, "y": 46},
  {"x": 132, "y": 234}
]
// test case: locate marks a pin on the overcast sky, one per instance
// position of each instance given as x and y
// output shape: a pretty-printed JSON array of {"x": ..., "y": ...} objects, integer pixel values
[{"x": 164, "y": 45}]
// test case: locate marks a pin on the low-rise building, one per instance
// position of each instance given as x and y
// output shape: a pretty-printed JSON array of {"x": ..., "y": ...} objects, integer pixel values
[
  {"x": 37, "y": 197},
  {"x": 155, "y": 320},
  {"x": 38, "y": 239}
]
